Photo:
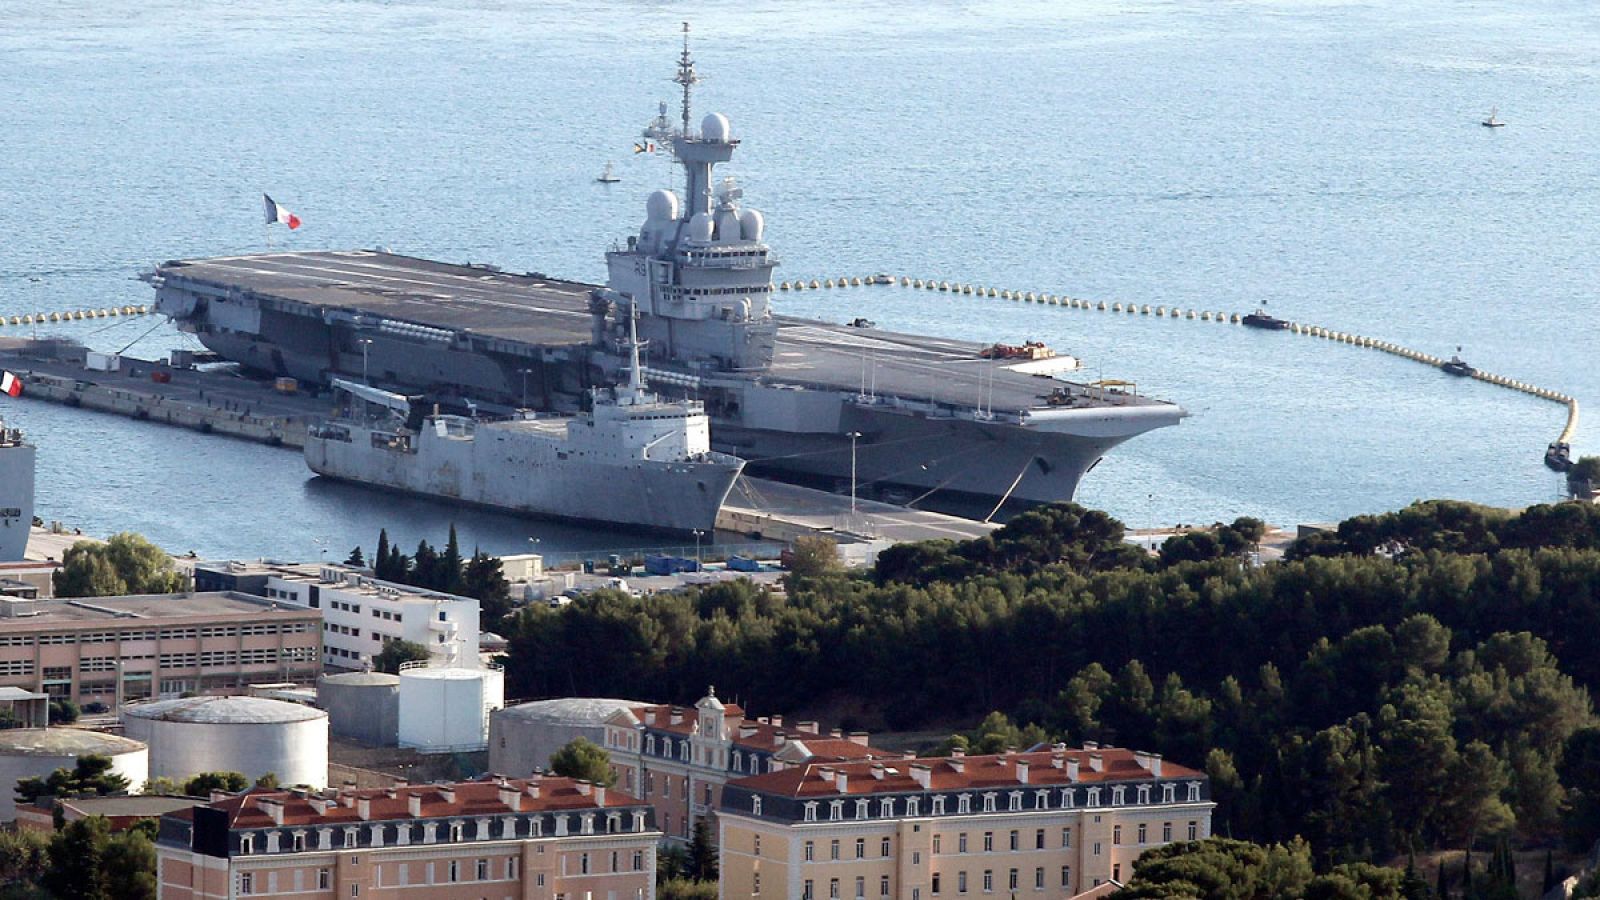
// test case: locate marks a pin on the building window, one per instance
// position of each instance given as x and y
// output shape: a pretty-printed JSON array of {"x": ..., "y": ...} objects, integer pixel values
[
  {"x": 483, "y": 870},
  {"x": 1142, "y": 836},
  {"x": 755, "y": 885},
  {"x": 861, "y": 888},
  {"x": 583, "y": 864},
  {"x": 808, "y": 892},
  {"x": 811, "y": 811},
  {"x": 883, "y": 886},
  {"x": 247, "y": 845},
  {"x": 355, "y": 890},
  {"x": 936, "y": 883},
  {"x": 299, "y": 841},
  {"x": 1194, "y": 791},
  {"x": 756, "y": 846},
  {"x": 1194, "y": 831},
  {"x": 961, "y": 842},
  {"x": 1116, "y": 835},
  {"x": 833, "y": 849},
  {"x": 1166, "y": 832},
  {"x": 1016, "y": 800},
  {"x": 455, "y": 871},
  {"x": 988, "y": 881},
  {"x": 1038, "y": 879},
  {"x": 324, "y": 879},
  {"x": 836, "y": 810},
  {"x": 350, "y": 837},
  {"x": 988, "y": 842},
  {"x": 1118, "y": 795},
  {"x": 963, "y": 804},
  {"x": 936, "y": 842},
  {"x": 883, "y": 847},
  {"x": 755, "y": 806},
  {"x": 833, "y": 889},
  {"x": 861, "y": 848},
  {"x": 1066, "y": 877},
  {"x": 961, "y": 882},
  {"x": 1066, "y": 837},
  {"x": 810, "y": 850},
  {"x": 511, "y": 869},
  {"x": 1116, "y": 872},
  {"x": 1169, "y": 793},
  {"x": 1015, "y": 840},
  {"x": 938, "y": 805},
  {"x": 1096, "y": 848},
  {"x": 455, "y": 832},
  {"x": 247, "y": 883},
  {"x": 638, "y": 860}
]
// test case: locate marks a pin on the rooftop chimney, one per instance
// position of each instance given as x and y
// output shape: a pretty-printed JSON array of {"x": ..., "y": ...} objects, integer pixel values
[
  {"x": 837, "y": 733},
  {"x": 922, "y": 775},
  {"x": 320, "y": 804},
  {"x": 677, "y": 716},
  {"x": 777, "y": 721},
  {"x": 532, "y": 790},
  {"x": 859, "y": 737},
  {"x": 809, "y": 727},
  {"x": 1155, "y": 764},
  {"x": 1072, "y": 769},
  {"x": 746, "y": 730},
  {"x": 583, "y": 787},
  {"x": 1091, "y": 745},
  {"x": 364, "y": 808},
  {"x": 958, "y": 762},
  {"x": 650, "y": 716},
  {"x": 448, "y": 794},
  {"x": 1057, "y": 760},
  {"x": 273, "y": 807},
  {"x": 843, "y": 782},
  {"x": 599, "y": 794},
  {"x": 510, "y": 798},
  {"x": 908, "y": 754},
  {"x": 877, "y": 771},
  {"x": 1022, "y": 771},
  {"x": 1097, "y": 762},
  {"x": 825, "y": 772},
  {"x": 780, "y": 739},
  {"x": 957, "y": 752},
  {"x": 414, "y": 804}
]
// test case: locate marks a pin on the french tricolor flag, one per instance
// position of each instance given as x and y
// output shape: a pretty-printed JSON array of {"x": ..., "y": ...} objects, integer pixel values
[
  {"x": 276, "y": 214},
  {"x": 10, "y": 384}
]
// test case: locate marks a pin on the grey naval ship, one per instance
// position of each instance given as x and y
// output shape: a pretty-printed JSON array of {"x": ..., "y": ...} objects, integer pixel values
[
  {"x": 631, "y": 459},
  {"x": 912, "y": 416}
]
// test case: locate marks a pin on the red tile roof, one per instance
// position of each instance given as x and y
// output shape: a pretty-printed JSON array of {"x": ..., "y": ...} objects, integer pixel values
[
  {"x": 754, "y": 734},
  {"x": 251, "y": 808},
  {"x": 977, "y": 772}
]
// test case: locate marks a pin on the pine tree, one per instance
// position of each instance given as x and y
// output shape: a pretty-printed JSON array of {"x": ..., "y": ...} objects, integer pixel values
[
  {"x": 702, "y": 853},
  {"x": 380, "y": 559},
  {"x": 449, "y": 576},
  {"x": 425, "y": 566},
  {"x": 355, "y": 558}
]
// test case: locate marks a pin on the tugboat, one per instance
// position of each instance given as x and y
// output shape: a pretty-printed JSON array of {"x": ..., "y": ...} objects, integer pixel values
[
  {"x": 1493, "y": 121},
  {"x": 1260, "y": 319},
  {"x": 1458, "y": 366},
  {"x": 1559, "y": 456}
]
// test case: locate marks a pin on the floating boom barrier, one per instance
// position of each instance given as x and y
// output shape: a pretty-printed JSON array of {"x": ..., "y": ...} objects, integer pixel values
[
  {"x": 1202, "y": 315},
  {"x": 75, "y": 315}
]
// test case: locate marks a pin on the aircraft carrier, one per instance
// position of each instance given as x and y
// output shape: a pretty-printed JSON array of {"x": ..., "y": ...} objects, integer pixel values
[{"x": 936, "y": 420}]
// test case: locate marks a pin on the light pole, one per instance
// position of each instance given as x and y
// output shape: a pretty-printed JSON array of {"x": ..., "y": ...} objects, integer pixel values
[
  {"x": 697, "y": 533},
  {"x": 365, "y": 343},
  {"x": 853, "y": 436}
]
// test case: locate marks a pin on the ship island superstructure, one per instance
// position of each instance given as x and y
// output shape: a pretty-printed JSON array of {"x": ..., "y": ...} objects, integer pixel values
[
  {"x": 799, "y": 399},
  {"x": 632, "y": 458}
]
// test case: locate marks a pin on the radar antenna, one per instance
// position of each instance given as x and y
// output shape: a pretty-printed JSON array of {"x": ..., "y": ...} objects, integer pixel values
[
  {"x": 635, "y": 369},
  {"x": 686, "y": 77}
]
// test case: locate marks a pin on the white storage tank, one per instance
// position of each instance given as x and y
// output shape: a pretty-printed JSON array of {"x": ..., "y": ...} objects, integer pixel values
[
  {"x": 249, "y": 735},
  {"x": 445, "y": 709},
  {"x": 36, "y": 752}
]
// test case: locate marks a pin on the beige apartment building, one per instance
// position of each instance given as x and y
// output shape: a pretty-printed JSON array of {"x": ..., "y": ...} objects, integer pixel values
[
  {"x": 677, "y": 760},
  {"x": 106, "y": 649},
  {"x": 534, "y": 839},
  {"x": 1047, "y": 824}
]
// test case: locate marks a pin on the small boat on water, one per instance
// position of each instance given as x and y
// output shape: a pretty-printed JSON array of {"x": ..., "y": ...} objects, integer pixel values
[
  {"x": 1260, "y": 319},
  {"x": 1559, "y": 456},
  {"x": 1494, "y": 119},
  {"x": 607, "y": 177},
  {"x": 1455, "y": 365}
]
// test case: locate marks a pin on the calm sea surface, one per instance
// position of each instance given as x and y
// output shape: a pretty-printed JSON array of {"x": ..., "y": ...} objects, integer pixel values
[{"x": 1322, "y": 157}]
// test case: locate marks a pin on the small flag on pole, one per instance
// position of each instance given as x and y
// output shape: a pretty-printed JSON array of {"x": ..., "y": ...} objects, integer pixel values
[
  {"x": 276, "y": 214},
  {"x": 10, "y": 384}
]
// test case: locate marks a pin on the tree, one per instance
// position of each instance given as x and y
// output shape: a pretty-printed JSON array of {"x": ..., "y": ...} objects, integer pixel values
[
  {"x": 425, "y": 567},
  {"x": 814, "y": 555},
  {"x": 396, "y": 653},
  {"x": 205, "y": 783},
  {"x": 130, "y": 865},
  {"x": 63, "y": 711},
  {"x": 1580, "y": 773},
  {"x": 76, "y": 868},
  {"x": 449, "y": 577},
  {"x": 380, "y": 559},
  {"x": 702, "y": 852},
  {"x": 24, "y": 855},
  {"x": 125, "y": 564},
  {"x": 585, "y": 760},
  {"x": 90, "y": 776},
  {"x": 355, "y": 558},
  {"x": 485, "y": 581}
]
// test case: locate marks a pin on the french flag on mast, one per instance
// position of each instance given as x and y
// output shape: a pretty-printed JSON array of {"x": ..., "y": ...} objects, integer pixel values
[
  {"x": 276, "y": 214},
  {"x": 10, "y": 384}
]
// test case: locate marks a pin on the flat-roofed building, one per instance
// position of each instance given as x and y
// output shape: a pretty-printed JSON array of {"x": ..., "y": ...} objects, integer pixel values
[
  {"x": 533, "y": 839},
  {"x": 1047, "y": 824},
  {"x": 360, "y": 614},
  {"x": 677, "y": 759},
  {"x": 106, "y": 649}
]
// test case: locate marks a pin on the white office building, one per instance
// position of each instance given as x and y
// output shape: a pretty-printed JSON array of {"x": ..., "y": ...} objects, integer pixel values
[{"x": 360, "y": 614}]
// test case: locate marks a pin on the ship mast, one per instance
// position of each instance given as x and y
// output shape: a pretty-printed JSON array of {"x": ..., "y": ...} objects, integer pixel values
[
  {"x": 636, "y": 393},
  {"x": 686, "y": 77}
]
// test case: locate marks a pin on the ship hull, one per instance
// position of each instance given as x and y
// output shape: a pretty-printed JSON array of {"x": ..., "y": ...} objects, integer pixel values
[
  {"x": 661, "y": 496},
  {"x": 16, "y": 499}
]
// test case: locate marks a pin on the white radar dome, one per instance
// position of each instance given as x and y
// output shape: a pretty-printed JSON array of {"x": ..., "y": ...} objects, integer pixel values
[
  {"x": 700, "y": 227},
  {"x": 752, "y": 224},
  {"x": 715, "y": 127},
  {"x": 728, "y": 227},
  {"x": 662, "y": 206}
]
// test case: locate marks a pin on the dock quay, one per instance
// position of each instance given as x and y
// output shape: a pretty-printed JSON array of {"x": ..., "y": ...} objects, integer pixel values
[{"x": 222, "y": 402}]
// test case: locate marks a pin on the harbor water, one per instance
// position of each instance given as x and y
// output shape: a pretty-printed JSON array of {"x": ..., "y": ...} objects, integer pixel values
[{"x": 1322, "y": 158}]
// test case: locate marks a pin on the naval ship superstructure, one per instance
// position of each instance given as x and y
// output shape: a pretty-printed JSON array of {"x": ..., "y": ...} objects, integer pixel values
[
  {"x": 799, "y": 399},
  {"x": 17, "y": 458},
  {"x": 630, "y": 459}
]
